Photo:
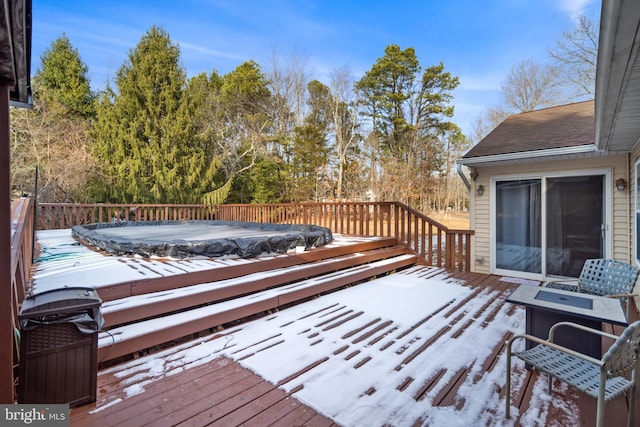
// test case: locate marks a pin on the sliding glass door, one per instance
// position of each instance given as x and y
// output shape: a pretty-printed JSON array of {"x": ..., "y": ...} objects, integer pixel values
[
  {"x": 549, "y": 225},
  {"x": 519, "y": 225},
  {"x": 575, "y": 223}
]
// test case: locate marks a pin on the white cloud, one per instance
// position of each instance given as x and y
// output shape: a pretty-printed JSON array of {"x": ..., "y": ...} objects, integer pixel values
[
  {"x": 575, "y": 8},
  {"x": 184, "y": 46}
]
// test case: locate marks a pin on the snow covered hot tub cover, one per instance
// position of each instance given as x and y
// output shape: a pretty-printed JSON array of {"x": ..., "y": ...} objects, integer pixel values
[{"x": 182, "y": 239}]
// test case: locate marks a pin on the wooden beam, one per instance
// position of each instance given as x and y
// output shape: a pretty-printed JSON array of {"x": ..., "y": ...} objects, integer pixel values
[{"x": 6, "y": 313}]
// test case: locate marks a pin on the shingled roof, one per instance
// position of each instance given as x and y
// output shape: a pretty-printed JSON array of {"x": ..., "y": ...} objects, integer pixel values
[{"x": 570, "y": 125}]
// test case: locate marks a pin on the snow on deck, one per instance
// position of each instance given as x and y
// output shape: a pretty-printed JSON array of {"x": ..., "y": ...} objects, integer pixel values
[
  {"x": 362, "y": 356},
  {"x": 63, "y": 261}
]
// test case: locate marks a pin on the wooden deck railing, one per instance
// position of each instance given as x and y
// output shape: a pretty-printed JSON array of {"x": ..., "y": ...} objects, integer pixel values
[
  {"x": 21, "y": 244},
  {"x": 21, "y": 257},
  {"x": 432, "y": 241}
]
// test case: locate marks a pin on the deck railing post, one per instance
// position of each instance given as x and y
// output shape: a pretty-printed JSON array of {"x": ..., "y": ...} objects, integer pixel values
[{"x": 447, "y": 249}]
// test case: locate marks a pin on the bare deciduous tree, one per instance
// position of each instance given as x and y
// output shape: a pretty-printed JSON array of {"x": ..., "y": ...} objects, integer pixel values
[
  {"x": 344, "y": 118},
  {"x": 486, "y": 122},
  {"x": 530, "y": 86},
  {"x": 288, "y": 81},
  {"x": 58, "y": 146},
  {"x": 576, "y": 53}
]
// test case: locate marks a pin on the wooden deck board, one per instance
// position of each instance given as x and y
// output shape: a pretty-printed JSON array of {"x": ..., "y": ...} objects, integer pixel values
[
  {"x": 171, "y": 300},
  {"x": 125, "y": 340},
  {"x": 230, "y": 268},
  {"x": 222, "y": 392}
]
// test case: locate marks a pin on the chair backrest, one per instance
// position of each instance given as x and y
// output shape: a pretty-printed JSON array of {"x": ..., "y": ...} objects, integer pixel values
[
  {"x": 607, "y": 277},
  {"x": 621, "y": 356}
]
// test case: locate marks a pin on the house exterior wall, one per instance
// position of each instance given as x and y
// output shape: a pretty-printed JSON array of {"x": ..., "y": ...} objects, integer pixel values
[
  {"x": 620, "y": 208},
  {"x": 634, "y": 160}
]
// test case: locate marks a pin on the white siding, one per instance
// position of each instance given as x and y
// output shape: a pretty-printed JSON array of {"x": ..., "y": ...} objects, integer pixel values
[
  {"x": 481, "y": 255},
  {"x": 633, "y": 179}
]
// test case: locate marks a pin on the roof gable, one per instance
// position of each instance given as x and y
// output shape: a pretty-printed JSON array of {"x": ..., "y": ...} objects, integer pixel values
[{"x": 570, "y": 125}]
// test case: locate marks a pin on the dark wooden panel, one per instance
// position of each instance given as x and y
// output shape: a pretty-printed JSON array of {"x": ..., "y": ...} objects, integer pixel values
[{"x": 58, "y": 365}]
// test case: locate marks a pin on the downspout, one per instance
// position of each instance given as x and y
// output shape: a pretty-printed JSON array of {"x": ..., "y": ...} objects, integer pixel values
[{"x": 463, "y": 176}]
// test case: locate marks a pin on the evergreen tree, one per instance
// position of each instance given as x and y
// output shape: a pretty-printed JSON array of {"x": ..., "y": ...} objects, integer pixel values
[
  {"x": 409, "y": 109},
  {"x": 319, "y": 103},
  {"x": 62, "y": 83},
  {"x": 309, "y": 156},
  {"x": 244, "y": 121},
  {"x": 201, "y": 98},
  {"x": 266, "y": 181},
  {"x": 145, "y": 135},
  {"x": 309, "y": 150},
  {"x": 54, "y": 135}
]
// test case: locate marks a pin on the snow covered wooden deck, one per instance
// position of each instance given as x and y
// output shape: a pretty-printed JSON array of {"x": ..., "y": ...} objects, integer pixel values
[
  {"x": 420, "y": 346},
  {"x": 327, "y": 362}
]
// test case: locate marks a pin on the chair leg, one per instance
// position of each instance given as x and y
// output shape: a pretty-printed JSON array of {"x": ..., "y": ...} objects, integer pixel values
[
  {"x": 632, "y": 402},
  {"x": 601, "y": 402},
  {"x": 507, "y": 397},
  {"x": 600, "y": 413},
  {"x": 628, "y": 308}
]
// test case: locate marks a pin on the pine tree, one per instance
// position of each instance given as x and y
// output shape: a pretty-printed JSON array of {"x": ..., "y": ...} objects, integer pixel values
[
  {"x": 62, "y": 83},
  {"x": 309, "y": 160},
  {"x": 244, "y": 122},
  {"x": 409, "y": 109},
  {"x": 146, "y": 139},
  {"x": 309, "y": 151}
]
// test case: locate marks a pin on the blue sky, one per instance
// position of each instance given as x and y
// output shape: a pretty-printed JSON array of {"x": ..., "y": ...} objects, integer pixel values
[{"x": 477, "y": 40}]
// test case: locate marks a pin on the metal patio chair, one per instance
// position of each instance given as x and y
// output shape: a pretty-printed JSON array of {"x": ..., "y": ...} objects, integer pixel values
[
  {"x": 604, "y": 277},
  {"x": 603, "y": 379}
]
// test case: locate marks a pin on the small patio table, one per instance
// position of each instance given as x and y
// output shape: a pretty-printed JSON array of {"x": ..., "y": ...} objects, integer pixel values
[{"x": 545, "y": 307}]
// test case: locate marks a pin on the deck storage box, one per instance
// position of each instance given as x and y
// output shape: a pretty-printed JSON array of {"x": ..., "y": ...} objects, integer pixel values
[{"x": 59, "y": 346}]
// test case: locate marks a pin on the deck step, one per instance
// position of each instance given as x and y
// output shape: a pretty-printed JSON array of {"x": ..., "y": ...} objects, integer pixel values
[
  {"x": 238, "y": 268},
  {"x": 139, "y": 307},
  {"x": 131, "y": 338}
]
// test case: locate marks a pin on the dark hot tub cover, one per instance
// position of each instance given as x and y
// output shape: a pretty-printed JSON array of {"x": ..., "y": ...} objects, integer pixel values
[{"x": 182, "y": 239}]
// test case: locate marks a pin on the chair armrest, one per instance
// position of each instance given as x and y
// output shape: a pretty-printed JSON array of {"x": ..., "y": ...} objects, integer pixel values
[
  {"x": 563, "y": 281},
  {"x": 554, "y": 346},
  {"x": 568, "y": 281},
  {"x": 581, "y": 327},
  {"x": 621, "y": 296}
]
